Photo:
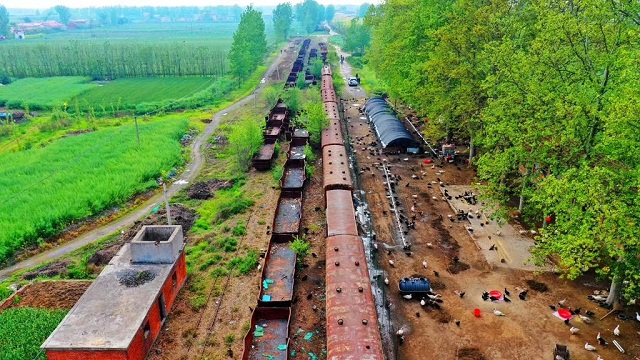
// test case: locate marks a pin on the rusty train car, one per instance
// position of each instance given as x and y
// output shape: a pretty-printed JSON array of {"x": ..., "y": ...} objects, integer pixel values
[{"x": 352, "y": 323}]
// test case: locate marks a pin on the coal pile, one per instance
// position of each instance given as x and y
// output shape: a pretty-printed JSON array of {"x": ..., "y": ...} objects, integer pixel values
[
  {"x": 205, "y": 190},
  {"x": 134, "y": 278}
]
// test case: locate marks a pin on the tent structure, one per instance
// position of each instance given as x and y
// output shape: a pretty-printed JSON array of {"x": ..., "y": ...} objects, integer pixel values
[{"x": 390, "y": 130}]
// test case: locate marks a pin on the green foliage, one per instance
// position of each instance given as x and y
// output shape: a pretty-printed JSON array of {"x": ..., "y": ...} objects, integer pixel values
[
  {"x": 277, "y": 172},
  {"x": 249, "y": 44},
  {"x": 228, "y": 244},
  {"x": 64, "y": 13},
  {"x": 301, "y": 83},
  {"x": 315, "y": 120},
  {"x": 293, "y": 98},
  {"x": 46, "y": 189},
  {"x": 4, "y": 21},
  {"x": 309, "y": 155},
  {"x": 357, "y": 36},
  {"x": 197, "y": 302},
  {"x": 244, "y": 264},
  {"x": 229, "y": 339},
  {"x": 239, "y": 230},
  {"x": 271, "y": 94},
  {"x": 316, "y": 68},
  {"x": 300, "y": 246},
  {"x": 329, "y": 13},
  {"x": 23, "y": 330},
  {"x": 43, "y": 93},
  {"x": 245, "y": 139},
  {"x": 227, "y": 202},
  {"x": 106, "y": 60},
  {"x": 547, "y": 94},
  {"x": 309, "y": 14},
  {"x": 282, "y": 20}
]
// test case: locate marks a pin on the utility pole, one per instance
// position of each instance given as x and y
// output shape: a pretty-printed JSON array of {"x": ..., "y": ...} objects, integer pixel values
[
  {"x": 135, "y": 118},
  {"x": 166, "y": 202}
]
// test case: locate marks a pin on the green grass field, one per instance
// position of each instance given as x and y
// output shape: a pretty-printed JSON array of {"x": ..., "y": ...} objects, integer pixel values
[
  {"x": 127, "y": 93},
  {"x": 43, "y": 93},
  {"x": 23, "y": 330},
  {"x": 43, "y": 190}
]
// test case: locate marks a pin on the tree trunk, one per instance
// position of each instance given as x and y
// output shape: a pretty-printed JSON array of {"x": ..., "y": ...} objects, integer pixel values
[
  {"x": 614, "y": 291},
  {"x": 472, "y": 150}
]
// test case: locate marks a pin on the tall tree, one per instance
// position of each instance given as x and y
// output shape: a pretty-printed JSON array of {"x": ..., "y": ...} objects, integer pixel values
[
  {"x": 357, "y": 36},
  {"x": 362, "y": 10},
  {"x": 309, "y": 14},
  {"x": 249, "y": 44},
  {"x": 245, "y": 139},
  {"x": 329, "y": 13},
  {"x": 64, "y": 13},
  {"x": 282, "y": 20},
  {"x": 4, "y": 21}
]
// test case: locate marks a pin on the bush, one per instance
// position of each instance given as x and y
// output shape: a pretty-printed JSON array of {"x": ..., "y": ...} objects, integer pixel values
[
  {"x": 246, "y": 264},
  {"x": 277, "y": 173},
  {"x": 240, "y": 230},
  {"x": 300, "y": 247}
]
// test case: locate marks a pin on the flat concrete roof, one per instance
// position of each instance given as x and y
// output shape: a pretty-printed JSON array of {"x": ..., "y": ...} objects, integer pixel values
[{"x": 109, "y": 314}]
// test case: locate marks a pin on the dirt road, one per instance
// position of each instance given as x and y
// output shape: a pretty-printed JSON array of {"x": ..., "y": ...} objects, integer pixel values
[{"x": 143, "y": 209}]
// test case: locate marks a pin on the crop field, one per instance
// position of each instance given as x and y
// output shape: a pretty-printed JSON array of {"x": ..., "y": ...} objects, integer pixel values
[
  {"x": 131, "y": 50},
  {"x": 43, "y": 93},
  {"x": 23, "y": 330},
  {"x": 43, "y": 190},
  {"x": 126, "y": 93}
]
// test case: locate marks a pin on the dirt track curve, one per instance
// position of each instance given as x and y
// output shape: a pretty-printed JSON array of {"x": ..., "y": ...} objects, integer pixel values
[{"x": 190, "y": 173}]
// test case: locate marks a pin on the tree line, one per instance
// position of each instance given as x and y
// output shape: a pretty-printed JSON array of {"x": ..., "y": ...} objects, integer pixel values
[
  {"x": 546, "y": 92},
  {"x": 106, "y": 60}
]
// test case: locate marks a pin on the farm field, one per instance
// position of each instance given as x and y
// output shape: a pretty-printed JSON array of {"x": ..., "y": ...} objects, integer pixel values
[
  {"x": 43, "y": 93},
  {"x": 127, "y": 93},
  {"x": 46, "y": 189},
  {"x": 22, "y": 331}
]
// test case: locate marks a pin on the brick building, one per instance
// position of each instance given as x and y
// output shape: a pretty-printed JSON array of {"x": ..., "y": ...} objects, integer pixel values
[{"x": 121, "y": 313}]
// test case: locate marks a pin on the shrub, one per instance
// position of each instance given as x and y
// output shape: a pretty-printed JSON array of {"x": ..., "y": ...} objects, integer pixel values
[
  {"x": 300, "y": 247},
  {"x": 246, "y": 264}
]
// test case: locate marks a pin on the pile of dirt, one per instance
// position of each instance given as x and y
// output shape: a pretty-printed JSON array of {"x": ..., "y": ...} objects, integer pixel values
[
  {"x": 447, "y": 242},
  {"x": 180, "y": 215},
  {"x": 134, "y": 278},
  {"x": 205, "y": 190},
  {"x": 52, "y": 270},
  {"x": 537, "y": 286},
  {"x": 102, "y": 257},
  {"x": 457, "y": 267},
  {"x": 470, "y": 354},
  {"x": 437, "y": 285},
  {"x": 52, "y": 294}
]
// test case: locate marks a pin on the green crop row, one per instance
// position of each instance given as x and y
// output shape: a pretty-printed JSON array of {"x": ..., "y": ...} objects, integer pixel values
[
  {"x": 43, "y": 190},
  {"x": 43, "y": 93},
  {"x": 23, "y": 330}
]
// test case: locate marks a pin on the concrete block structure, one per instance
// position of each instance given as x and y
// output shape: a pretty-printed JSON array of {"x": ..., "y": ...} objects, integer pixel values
[{"x": 121, "y": 313}]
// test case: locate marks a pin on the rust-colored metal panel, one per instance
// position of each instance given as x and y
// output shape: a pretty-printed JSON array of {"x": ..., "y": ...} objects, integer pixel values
[
  {"x": 331, "y": 110},
  {"x": 335, "y": 168},
  {"x": 341, "y": 219},
  {"x": 275, "y": 333},
  {"x": 332, "y": 135},
  {"x": 352, "y": 323},
  {"x": 326, "y": 71},
  {"x": 329, "y": 95}
]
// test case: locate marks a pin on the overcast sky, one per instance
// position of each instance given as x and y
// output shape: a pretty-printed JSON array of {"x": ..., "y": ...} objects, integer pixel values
[{"x": 45, "y": 4}]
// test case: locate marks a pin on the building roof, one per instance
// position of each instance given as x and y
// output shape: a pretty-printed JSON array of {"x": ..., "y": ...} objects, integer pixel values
[
  {"x": 390, "y": 130},
  {"x": 109, "y": 314}
]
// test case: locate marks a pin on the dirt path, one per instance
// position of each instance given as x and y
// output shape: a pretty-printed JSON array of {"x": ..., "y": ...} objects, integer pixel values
[{"x": 145, "y": 208}]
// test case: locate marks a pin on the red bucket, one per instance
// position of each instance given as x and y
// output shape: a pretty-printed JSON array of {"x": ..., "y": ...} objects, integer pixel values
[
  {"x": 477, "y": 312},
  {"x": 428, "y": 161}
]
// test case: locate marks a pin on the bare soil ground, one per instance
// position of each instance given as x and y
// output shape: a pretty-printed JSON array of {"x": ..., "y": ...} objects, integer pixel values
[
  {"x": 52, "y": 294},
  {"x": 528, "y": 331}
]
